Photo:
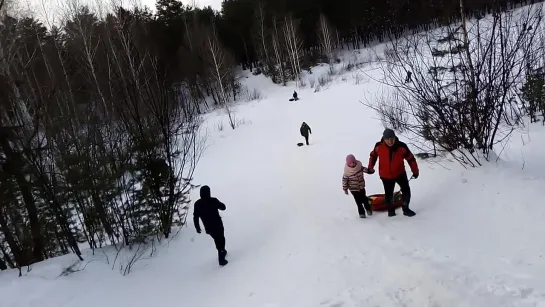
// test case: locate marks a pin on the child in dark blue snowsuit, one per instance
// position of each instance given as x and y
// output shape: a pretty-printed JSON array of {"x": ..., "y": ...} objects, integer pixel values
[{"x": 206, "y": 209}]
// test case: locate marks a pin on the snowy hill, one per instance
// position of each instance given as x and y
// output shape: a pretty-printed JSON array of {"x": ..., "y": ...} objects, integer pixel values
[{"x": 294, "y": 238}]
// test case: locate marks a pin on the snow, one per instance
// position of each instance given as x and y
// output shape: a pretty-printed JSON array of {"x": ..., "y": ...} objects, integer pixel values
[{"x": 294, "y": 238}]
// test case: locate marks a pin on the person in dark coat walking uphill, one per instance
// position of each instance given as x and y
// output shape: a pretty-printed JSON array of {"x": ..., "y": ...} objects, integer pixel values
[
  {"x": 305, "y": 130},
  {"x": 206, "y": 209},
  {"x": 391, "y": 154},
  {"x": 353, "y": 180}
]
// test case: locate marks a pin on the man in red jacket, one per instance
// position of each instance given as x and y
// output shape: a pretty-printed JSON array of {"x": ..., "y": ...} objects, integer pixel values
[{"x": 391, "y": 154}]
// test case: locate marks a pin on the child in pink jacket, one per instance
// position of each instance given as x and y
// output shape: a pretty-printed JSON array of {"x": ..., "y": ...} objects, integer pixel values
[{"x": 353, "y": 180}]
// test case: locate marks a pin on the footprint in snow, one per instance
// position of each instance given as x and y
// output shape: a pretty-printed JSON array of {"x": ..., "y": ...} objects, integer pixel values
[{"x": 328, "y": 302}]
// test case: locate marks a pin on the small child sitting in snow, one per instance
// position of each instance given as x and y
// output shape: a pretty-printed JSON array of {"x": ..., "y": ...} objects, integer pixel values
[{"x": 353, "y": 180}]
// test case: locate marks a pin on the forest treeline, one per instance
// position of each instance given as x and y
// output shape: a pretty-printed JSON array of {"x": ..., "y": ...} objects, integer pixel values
[{"x": 99, "y": 125}]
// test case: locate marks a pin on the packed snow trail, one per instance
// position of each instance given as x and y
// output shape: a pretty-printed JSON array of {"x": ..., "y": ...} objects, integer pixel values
[
  {"x": 295, "y": 239},
  {"x": 291, "y": 229}
]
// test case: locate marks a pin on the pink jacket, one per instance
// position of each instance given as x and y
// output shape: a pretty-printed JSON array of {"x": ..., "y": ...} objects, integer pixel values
[{"x": 353, "y": 177}]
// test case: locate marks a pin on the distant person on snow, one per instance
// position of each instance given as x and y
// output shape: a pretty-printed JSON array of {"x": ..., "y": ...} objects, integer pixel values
[
  {"x": 206, "y": 209},
  {"x": 305, "y": 131},
  {"x": 409, "y": 77},
  {"x": 354, "y": 182},
  {"x": 391, "y": 154},
  {"x": 295, "y": 96}
]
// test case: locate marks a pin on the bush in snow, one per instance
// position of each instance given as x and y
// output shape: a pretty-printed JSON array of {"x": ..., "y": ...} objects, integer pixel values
[
  {"x": 457, "y": 88},
  {"x": 533, "y": 95}
]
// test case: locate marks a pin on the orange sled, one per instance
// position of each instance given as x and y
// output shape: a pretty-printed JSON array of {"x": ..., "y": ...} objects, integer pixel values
[{"x": 378, "y": 204}]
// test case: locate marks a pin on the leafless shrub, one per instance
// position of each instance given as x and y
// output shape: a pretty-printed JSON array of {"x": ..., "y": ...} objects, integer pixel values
[
  {"x": 254, "y": 95},
  {"x": 143, "y": 251},
  {"x": 240, "y": 121},
  {"x": 302, "y": 82},
  {"x": 390, "y": 55},
  {"x": 324, "y": 80},
  {"x": 357, "y": 77},
  {"x": 219, "y": 126},
  {"x": 312, "y": 82},
  {"x": 74, "y": 268},
  {"x": 392, "y": 111},
  {"x": 464, "y": 100},
  {"x": 349, "y": 66},
  {"x": 332, "y": 71}
]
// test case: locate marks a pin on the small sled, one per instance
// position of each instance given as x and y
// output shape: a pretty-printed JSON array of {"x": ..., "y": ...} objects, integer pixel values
[
  {"x": 300, "y": 144},
  {"x": 378, "y": 204}
]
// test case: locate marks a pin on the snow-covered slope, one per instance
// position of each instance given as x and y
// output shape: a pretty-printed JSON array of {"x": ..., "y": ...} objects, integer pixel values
[{"x": 294, "y": 238}]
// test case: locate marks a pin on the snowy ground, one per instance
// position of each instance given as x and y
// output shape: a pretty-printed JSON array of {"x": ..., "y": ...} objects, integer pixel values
[{"x": 294, "y": 238}]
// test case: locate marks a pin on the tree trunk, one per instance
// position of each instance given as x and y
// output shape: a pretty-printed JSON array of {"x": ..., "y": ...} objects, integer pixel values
[
  {"x": 14, "y": 166},
  {"x": 13, "y": 246},
  {"x": 7, "y": 258}
]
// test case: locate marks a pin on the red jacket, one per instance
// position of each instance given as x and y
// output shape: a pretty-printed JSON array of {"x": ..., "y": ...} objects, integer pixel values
[{"x": 391, "y": 159}]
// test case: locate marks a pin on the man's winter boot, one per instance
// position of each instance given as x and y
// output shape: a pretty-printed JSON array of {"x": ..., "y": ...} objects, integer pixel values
[
  {"x": 221, "y": 257},
  {"x": 391, "y": 210},
  {"x": 362, "y": 216},
  {"x": 408, "y": 212}
]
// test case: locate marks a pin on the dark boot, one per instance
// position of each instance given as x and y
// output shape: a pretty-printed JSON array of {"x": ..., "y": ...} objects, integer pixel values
[
  {"x": 391, "y": 209},
  {"x": 361, "y": 211},
  {"x": 408, "y": 212},
  {"x": 221, "y": 257},
  {"x": 368, "y": 208}
]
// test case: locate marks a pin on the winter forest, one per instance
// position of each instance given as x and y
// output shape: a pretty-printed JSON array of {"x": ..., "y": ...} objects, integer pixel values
[{"x": 99, "y": 114}]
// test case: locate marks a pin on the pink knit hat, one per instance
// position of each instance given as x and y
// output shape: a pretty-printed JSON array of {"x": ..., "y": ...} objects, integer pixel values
[{"x": 350, "y": 159}]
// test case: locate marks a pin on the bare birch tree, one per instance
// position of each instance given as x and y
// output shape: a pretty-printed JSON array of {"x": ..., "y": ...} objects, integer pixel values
[
  {"x": 262, "y": 34},
  {"x": 294, "y": 46},
  {"x": 17, "y": 131},
  {"x": 2, "y": 7},
  {"x": 278, "y": 48},
  {"x": 326, "y": 37},
  {"x": 220, "y": 66}
]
